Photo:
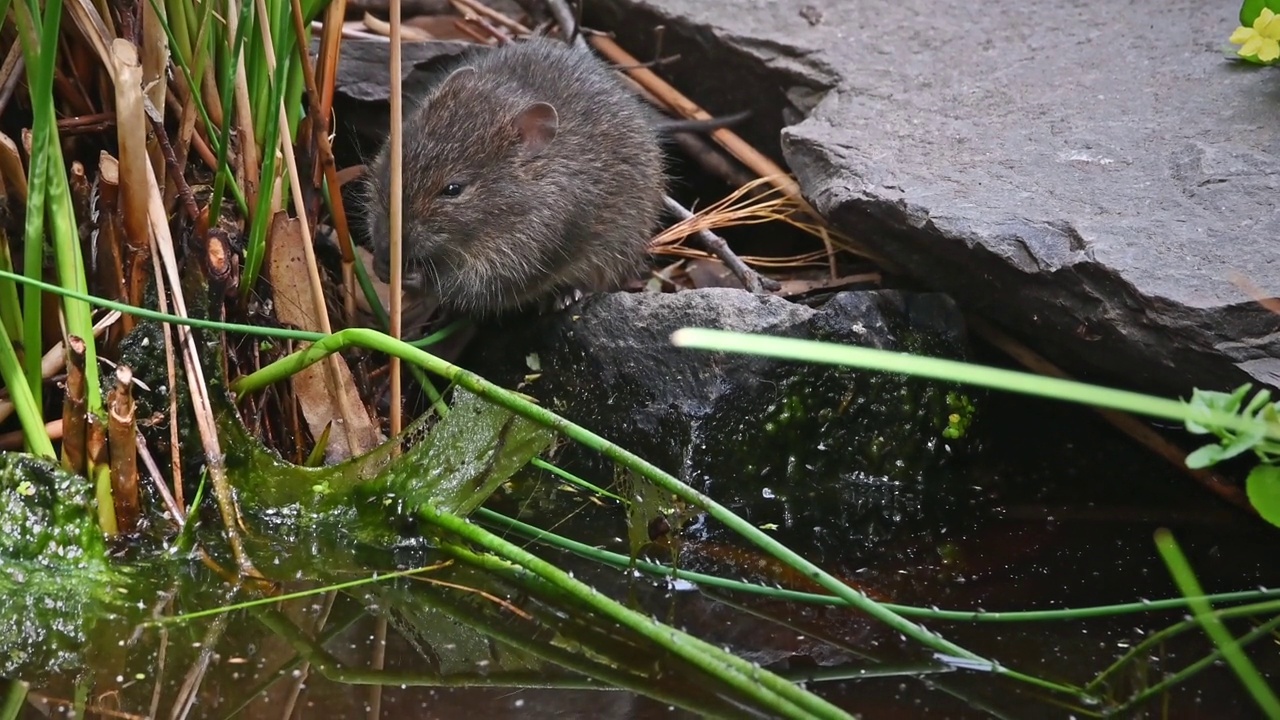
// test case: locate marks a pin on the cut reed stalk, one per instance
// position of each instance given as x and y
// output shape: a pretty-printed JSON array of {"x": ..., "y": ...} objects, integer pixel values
[
  {"x": 55, "y": 361},
  {"x": 121, "y": 432},
  {"x": 74, "y": 410},
  {"x": 134, "y": 159}
]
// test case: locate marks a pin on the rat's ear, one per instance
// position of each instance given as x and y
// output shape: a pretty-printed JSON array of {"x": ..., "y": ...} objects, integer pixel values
[
  {"x": 537, "y": 125},
  {"x": 457, "y": 75}
]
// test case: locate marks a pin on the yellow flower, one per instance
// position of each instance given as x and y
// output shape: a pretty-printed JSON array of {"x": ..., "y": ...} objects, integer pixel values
[{"x": 1262, "y": 41}]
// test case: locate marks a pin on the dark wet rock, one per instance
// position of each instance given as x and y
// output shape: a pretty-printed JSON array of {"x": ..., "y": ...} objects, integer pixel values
[
  {"x": 841, "y": 461},
  {"x": 363, "y": 89},
  {"x": 364, "y": 72},
  {"x": 1091, "y": 177}
]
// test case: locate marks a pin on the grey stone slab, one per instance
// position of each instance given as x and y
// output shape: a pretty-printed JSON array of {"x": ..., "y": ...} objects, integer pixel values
[{"x": 1096, "y": 177}]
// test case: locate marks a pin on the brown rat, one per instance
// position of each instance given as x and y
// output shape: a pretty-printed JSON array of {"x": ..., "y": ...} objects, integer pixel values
[{"x": 530, "y": 172}]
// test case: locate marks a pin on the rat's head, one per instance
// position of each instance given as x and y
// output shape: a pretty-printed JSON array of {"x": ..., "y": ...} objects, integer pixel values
[{"x": 468, "y": 176}]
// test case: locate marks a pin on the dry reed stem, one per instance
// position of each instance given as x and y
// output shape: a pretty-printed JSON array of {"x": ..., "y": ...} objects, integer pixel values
[
  {"x": 212, "y": 95},
  {"x": 171, "y": 377},
  {"x": 326, "y": 168},
  {"x": 87, "y": 124},
  {"x": 396, "y": 216},
  {"x": 199, "y": 389},
  {"x": 334, "y": 377},
  {"x": 330, "y": 47},
  {"x": 249, "y": 169},
  {"x": 112, "y": 237},
  {"x": 815, "y": 258},
  {"x": 17, "y": 439},
  {"x": 11, "y": 169},
  {"x": 155, "y": 61},
  {"x": 75, "y": 410},
  {"x": 103, "y": 8},
  {"x": 122, "y": 432},
  {"x": 91, "y": 25},
  {"x": 471, "y": 24},
  {"x": 197, "y": 139},
  {"x": 713, "y": 159},
  {"x": 1254, "y": 292},
  {"x": 378, "y": 26},
  {"x": 489, "y": 13},
  {"x": 187, "y": 117},
  {"x": 735, "y": 209},
  {"x": 188, "y": 692},
  {"x": 727, "y": 139},
  {"x": 745, "y": 206},
  {"x": 110, "y": 246},
  {"x": 134, "y": 159},
  {"x": 157, "y": 479},
  {"x": 10, "y": 72},
  {"x": 131, "y": 131}
]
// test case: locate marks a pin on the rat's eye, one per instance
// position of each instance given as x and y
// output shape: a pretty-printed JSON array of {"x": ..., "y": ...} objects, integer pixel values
[{"x": 451, "y": 190}]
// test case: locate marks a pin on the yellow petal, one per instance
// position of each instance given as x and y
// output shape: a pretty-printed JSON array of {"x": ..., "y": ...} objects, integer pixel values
[
  {"x": 1271, "y": 29},
  {"x": 1270, "y": 50},
  {"x": 1263, "y": 18},
  {"x": 1251, "y": 47},
  {"x": 1242, "y": 35}
]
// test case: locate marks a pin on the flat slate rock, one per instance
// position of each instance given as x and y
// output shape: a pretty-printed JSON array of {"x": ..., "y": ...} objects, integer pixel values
[{"x": 1099, "y": 178}]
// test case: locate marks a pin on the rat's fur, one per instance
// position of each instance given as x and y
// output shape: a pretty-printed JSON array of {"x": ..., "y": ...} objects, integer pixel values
[{"x": 553, "y": 201}]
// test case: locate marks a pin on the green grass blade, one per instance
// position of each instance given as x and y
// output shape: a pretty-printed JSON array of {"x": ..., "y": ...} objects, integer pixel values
[
  {"x": 953, "y": 371},
  {"x": 30, "y": 415},
  {"x": 1231, "y": 651},
  {"x": 40, "y": 85},
  {"x": 257, "y": 245},
  {"x": 751, "y": 680},
  {"x": 16, "y": 697}
]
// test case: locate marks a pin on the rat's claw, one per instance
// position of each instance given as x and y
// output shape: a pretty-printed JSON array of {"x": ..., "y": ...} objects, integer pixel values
[{"x": 562, "y": 300}]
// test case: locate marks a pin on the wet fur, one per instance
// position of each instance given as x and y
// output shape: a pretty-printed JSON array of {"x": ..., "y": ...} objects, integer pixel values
[{"x": 528, "y": 227}]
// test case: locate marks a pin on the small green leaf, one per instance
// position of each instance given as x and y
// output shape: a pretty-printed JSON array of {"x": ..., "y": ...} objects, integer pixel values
[
  {"x": 1257, "y": 402},
  {"x": 1204, "y": 456},
  {"x": 1251, "y": 9},
  {"x": 1243, "y": 442},
  {"x": 1204, "y": 405},
  {"x": 1263, "y": 488},
  {"x": 1193, "y": 421},
  {"x": 1231, "y": 403}
]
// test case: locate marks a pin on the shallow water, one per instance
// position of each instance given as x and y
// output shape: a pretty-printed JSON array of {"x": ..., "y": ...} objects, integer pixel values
[{"x": 1077, "y": 507}]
